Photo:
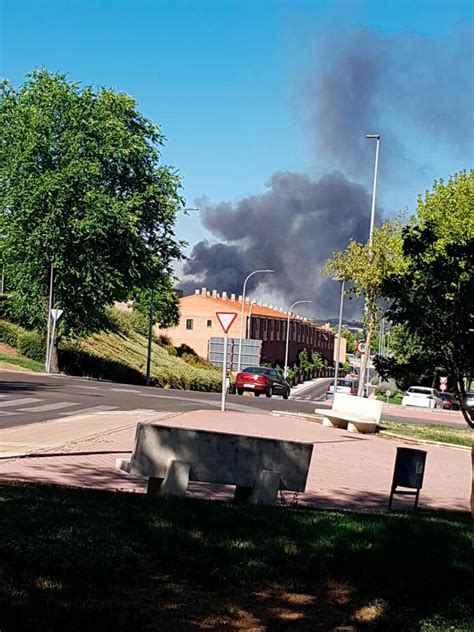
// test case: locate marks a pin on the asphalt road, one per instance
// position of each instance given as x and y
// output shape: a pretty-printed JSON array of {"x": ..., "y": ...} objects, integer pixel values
[{"x": 27, "y": 398}]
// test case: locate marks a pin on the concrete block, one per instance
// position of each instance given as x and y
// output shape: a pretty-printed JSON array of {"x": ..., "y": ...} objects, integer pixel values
[
  {"x": 123, "y": 464},
  {"x": 266, "y": 488},
  {"x": 176, "y": 479},
  {"x": 219, "y": 457},
  {"x": 363, "y": 427}
]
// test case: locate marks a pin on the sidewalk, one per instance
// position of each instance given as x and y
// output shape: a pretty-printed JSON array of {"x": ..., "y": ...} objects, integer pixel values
[{"x": 347, "y": 471}]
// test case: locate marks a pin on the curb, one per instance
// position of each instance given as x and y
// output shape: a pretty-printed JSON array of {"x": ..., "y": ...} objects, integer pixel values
[{"x": 428, "y": 441}]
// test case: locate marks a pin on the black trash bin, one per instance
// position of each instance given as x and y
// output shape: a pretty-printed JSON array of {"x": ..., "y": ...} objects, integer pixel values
[{"x": 408, "y": 472}]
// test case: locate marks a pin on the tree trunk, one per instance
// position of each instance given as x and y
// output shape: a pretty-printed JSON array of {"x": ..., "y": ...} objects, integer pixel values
[
  {"x": 363, "y": 365},
  {"x": 54, "y": 356}
]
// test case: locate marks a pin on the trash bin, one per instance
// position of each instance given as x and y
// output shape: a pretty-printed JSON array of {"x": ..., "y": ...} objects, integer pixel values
[{"x": 408, "y": 472}]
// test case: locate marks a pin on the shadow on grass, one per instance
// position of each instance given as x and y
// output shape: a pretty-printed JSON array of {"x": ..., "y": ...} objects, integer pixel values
[{"x": 82, "y": 559}]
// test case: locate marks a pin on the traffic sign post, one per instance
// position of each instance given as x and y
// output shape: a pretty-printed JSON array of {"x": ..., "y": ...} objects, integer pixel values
[
  {"x": 225, "y": 319},
  {"x": 362, "y": 347},
  {"x": 55, "y": 316}
]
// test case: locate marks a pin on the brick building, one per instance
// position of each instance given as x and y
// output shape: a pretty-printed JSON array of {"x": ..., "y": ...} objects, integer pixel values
[{"x": 263, "y": 322}]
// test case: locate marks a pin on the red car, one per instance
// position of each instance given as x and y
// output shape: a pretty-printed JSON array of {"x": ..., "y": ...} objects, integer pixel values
[{"x": 259, "y": 379}]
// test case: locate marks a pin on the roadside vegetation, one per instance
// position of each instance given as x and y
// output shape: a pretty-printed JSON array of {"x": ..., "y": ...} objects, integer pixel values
[
  {"x": 10, "y": 359},
  {"x": 430, "y": 432},
  {"x": 118, "y": 353},
  {"x": 83, "y": 559}
]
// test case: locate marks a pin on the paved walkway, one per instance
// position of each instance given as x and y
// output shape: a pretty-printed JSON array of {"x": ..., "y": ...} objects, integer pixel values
[{"x": 347, "y": 470}]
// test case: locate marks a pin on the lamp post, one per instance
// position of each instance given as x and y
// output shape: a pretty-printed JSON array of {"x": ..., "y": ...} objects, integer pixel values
[
  {"x": 239, "y": 357},
  {"x": 50, "y": 307},
  {"x": 339, "y": 330},
  {"x": 288, "y": 336},
  {"x": 249, "y": 317},
  {"x": 366, "y": 373}
]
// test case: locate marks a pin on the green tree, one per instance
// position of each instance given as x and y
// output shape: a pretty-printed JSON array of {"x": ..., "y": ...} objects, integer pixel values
[
  {"x": 350, "y": 340},
  {"x": 367, "y": 266},
  {"x": 434, "y": 297},
  {"x": 82, "y": 189},
  {"x": 165, "y": 305}
]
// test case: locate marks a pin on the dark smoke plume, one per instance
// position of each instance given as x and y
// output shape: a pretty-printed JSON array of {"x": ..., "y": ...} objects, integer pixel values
[
  {"x": 365, "y": 84},
  {"x": 292, "y": 228}
]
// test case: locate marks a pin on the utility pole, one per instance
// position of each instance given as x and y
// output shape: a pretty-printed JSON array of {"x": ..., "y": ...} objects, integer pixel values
[{"x": 150, "y": 337}]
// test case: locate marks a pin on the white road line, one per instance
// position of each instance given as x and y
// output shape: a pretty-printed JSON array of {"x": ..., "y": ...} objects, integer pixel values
[
  {"x": 124, "y": 390},
  {"x": 95, "y": 388},
  {"x": 92, "y": 409},
  {"x": 45, "y": 407},
  {"x": 20, "y": 402},
  {"x": 7, "y": 412}
]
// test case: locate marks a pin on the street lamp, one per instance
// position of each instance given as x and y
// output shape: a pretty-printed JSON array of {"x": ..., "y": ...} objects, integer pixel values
[
  {"x": 366, "y": 374},
  {"x": 339, "y": 331},
  {"x": 372, "y": 212},
  {"x": 239, "y": 359},
  {"x": 287, "y": 334},
  {"x": 249, "y": 317}
]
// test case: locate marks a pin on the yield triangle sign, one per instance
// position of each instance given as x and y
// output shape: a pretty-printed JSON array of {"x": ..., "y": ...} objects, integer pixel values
[
  {"x": 226, "y": 319},
  {"x": 56, "y": 313}
]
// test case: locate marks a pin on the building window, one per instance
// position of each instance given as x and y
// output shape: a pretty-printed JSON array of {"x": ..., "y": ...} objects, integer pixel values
[
  {"x": 209, "y": 324},
  {"x": 189, "y": 323}
]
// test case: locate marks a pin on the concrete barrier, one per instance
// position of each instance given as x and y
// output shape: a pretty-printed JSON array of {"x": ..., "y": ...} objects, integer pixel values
[
  {"x": 357, "y": 414},
  {"x": 170, "y": 457}
]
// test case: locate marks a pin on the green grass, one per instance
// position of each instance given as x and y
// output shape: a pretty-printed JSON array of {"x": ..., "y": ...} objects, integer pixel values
[
  {"x": 396, "y": 399},
  {"x": 20, "y": 361},
  {"x": 431, "y": 432},
  {"x": 87, "y": 560}
]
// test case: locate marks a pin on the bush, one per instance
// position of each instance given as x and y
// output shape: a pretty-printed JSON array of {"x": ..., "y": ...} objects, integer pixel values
[
  {"x": 184, "y": 349},
  {"x": 126, "y": 322},
  {"x": 9, "y": 333},
  {"x": 381, "y": 388},
  {"x": 171, "y": 350},
  {"x": 32, "y": 345}
]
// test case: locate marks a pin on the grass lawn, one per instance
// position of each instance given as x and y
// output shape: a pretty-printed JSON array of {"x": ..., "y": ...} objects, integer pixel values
[
  {"x": 7, "y": 361},
  {"x": 396, "y": 399},
  {"x": 80, "y": 560},
  {"x": 432, "y": 432}
]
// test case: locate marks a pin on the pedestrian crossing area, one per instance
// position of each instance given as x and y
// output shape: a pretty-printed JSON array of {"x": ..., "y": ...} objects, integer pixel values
[{"x": 18, "y": 405}]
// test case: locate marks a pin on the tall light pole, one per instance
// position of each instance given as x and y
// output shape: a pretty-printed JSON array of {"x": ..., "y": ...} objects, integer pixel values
[
  {"x": 374, "y": 188},
  {"x": 288, "y": 334},
  {"x": 375, "y": 137},
  {"x": 339, "y": 331},
  {"x": 50, "y": 307},
  {"x": 239, "y": 357},
  {"x": 249, "y": 317}
]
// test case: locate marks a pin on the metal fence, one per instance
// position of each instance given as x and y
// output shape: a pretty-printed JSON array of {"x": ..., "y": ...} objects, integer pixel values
[{"x": 251, "y": 352}]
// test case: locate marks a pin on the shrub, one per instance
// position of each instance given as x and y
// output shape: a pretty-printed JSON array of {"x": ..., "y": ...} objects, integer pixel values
[
  {"x": 185, "y": 349},
  {"x": 32, "y": 345},
  {"x": 381, "y": 388},
  {"x": 126, "y": 321},
  {"x": 171, "y": 350},
  {"x": 9, "y": 333}
]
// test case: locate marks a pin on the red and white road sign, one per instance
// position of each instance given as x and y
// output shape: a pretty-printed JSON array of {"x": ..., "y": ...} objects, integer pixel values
[
  {"x": 226, "y": 319},
  {"x": 362, "y": 346}
]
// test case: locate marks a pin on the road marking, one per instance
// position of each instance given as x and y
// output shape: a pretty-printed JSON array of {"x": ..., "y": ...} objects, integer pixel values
[
  {"x": 19, "y": 402},
  {"x": 45, "y": 407},
  {"x": 8, "y": 412},
  {"x": 95, "y": 388},
  {"x": 124, "y": 390},
  {"x": 92, "y": 409}
]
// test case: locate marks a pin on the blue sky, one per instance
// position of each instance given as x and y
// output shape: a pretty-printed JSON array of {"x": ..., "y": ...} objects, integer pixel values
[{"x": 226, "y": 79}]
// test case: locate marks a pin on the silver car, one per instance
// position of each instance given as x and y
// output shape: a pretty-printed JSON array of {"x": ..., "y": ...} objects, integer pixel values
[{"x": 344, "y": 385}]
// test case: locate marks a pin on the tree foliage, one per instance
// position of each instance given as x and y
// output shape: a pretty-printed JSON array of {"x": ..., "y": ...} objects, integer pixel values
[
  {"x": 433, "y": 299},
  {"x": 82, "y": 188},
  {"x": 367, "y": 266}
]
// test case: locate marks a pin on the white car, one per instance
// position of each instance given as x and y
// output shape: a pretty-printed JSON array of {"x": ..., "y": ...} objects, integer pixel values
[{"x": 423, "y": 397}]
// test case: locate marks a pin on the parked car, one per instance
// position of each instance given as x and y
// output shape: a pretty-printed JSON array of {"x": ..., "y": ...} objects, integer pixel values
[
  {"x": 345, "y": 385},
  {"x": 259, "y": 379},
  {"x": 449, "y": 401},
  {"x": 422, "y": 397}
]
